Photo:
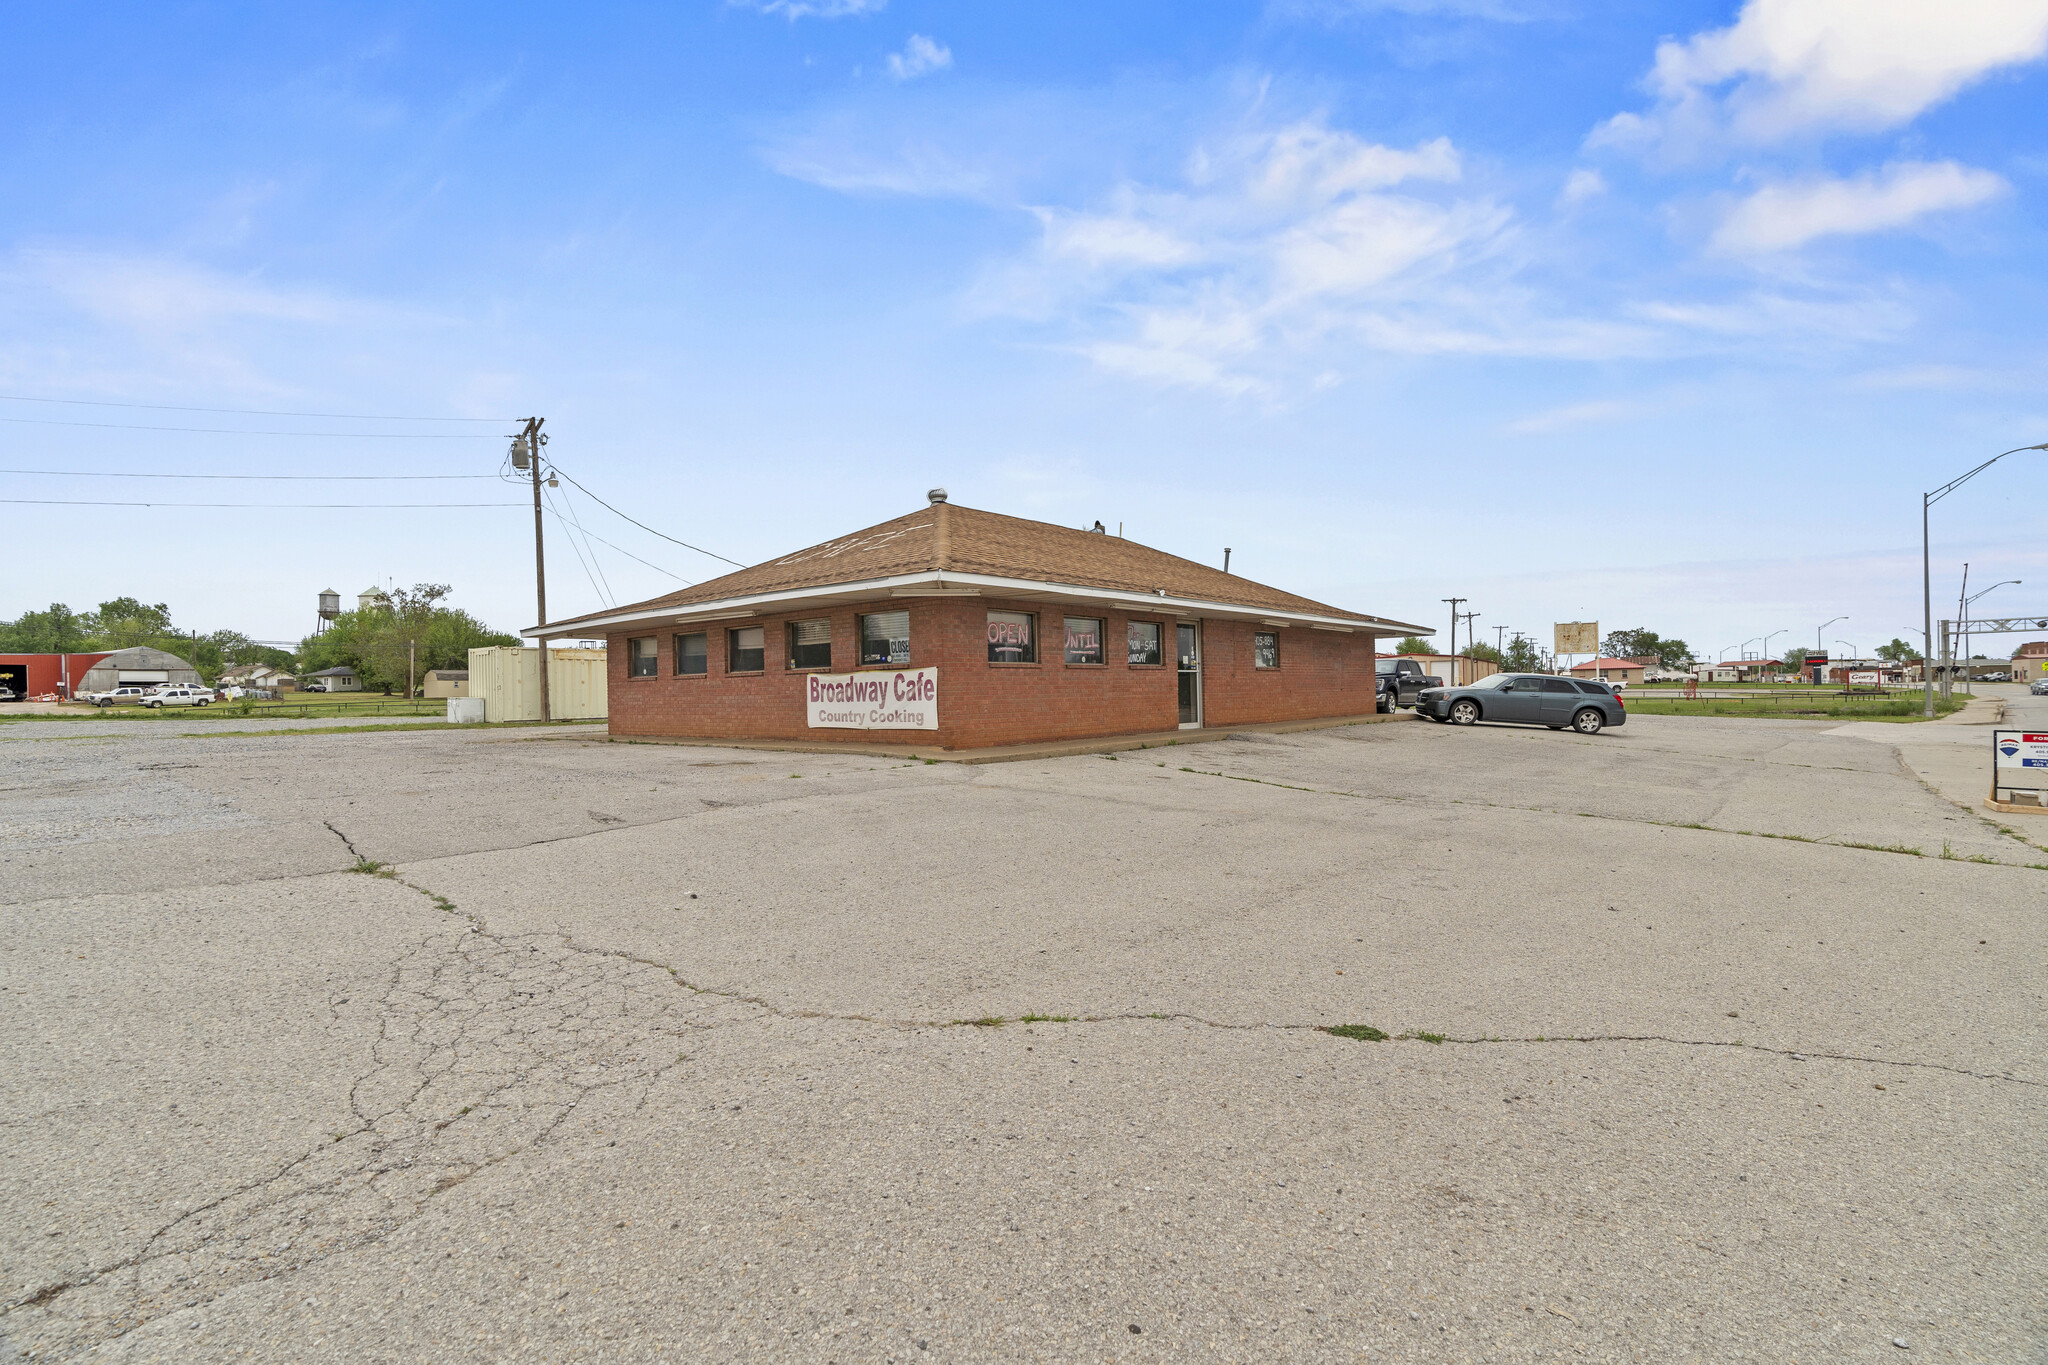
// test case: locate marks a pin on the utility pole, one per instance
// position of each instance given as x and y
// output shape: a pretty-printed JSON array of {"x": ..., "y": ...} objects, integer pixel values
[
  {"x": 1455, "y": 602},
  {"x": 526, "y": 452},
  {"x": 1470, "y": 638},
  {"x": 1500, "y": 635}
]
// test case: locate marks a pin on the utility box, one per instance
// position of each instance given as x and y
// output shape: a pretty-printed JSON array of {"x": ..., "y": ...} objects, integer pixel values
[
  {"x": 507, "y": 681},
  {"x": 465, "y": 710}
]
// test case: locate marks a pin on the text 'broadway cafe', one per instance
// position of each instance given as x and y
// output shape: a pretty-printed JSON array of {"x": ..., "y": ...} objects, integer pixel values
[{"x": 956, "y": 628}]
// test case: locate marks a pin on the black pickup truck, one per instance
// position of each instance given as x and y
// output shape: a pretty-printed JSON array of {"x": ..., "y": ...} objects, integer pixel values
[{"x": 1402, "y": 682}]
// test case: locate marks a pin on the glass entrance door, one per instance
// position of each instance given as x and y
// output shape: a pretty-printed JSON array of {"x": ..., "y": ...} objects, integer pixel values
[{"x": 1190, "y": 660}]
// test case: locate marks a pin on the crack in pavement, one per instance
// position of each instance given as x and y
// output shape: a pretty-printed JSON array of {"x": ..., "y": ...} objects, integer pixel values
[{"x": 486, "y": 1047}]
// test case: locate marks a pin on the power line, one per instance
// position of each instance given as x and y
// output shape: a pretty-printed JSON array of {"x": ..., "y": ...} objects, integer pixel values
[
  {"x": 111, "y": 474},
  {"x": 79, "y": 502},
  {"x": 649, "y": 529},
  {"x": 627, "y": 553},
  {"x": 248, "y": 412},
  {"x": 602, "y": 596},
  {"x": 243, "y": 431}
]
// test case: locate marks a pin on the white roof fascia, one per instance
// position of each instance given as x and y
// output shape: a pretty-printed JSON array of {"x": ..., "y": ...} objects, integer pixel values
[{"x": 767, "y": 603}]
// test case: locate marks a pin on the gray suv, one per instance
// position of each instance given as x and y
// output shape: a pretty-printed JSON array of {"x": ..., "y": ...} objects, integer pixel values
[{"x": 1528, "y": 699}]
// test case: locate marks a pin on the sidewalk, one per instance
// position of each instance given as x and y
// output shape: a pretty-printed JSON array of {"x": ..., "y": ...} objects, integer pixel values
[
  {"x": 1951, "y": 755},
  {"x": 1011, "y": 753}
]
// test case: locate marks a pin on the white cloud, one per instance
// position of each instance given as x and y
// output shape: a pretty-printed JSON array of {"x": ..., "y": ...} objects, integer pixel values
[
  {"x": 919, "y": 57},
  {"x": 1273, "y": 240},
  {"x": 1783, "y": 216},
  {"x": 813, "y": 9},
  {"x": 1574, "y": 415},
  {"x": 1581, "y": 185},
  {"x": 1790, "y": 67}
]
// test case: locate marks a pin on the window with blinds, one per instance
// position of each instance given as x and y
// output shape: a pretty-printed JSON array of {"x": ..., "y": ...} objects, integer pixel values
[
  {"x": 885, "y": 638},
  {"x": 640, "y": 659},
  {"x": 693, "y": 654},
  {"x": 810, "y": 644},
  {"x": 747, "y": 651}
]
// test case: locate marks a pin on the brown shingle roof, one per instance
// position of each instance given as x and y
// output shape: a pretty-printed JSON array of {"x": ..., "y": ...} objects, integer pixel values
[{"x": 948, "y": 538}]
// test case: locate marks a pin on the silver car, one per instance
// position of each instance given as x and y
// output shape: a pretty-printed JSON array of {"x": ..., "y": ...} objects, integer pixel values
[{"x": 1527, "y": 699}]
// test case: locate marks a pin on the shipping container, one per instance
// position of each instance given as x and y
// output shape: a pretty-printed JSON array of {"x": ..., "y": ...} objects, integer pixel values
[{"x": 507, "y": 680}]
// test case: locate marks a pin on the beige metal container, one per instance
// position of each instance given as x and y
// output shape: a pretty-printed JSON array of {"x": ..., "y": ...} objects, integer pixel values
[{"x": 507, "y": 680}]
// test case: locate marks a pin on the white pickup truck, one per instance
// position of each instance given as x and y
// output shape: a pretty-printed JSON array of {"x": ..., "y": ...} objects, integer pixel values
[{"x": 177, "y": 694}]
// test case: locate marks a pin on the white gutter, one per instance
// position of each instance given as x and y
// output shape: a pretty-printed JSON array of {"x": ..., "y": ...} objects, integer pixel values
[{"x": 770, "y": 602}]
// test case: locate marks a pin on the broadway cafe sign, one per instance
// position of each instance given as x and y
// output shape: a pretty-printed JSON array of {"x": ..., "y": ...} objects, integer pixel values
[{"x": 899, "y": 699}]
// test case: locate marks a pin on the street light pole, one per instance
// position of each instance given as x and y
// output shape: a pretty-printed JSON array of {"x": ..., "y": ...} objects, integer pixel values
[
  {"x": 1767, "y": 644},
  {"x": 1455, "y": 602},
  {"x": 1927, "y": 500},
  {"x": 1964, "y": 627},
  {"x": 1817, "y": 648}
]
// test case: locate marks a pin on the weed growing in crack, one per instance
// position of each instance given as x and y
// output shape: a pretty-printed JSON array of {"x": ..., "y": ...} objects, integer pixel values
[
  {"x": 986, "y": 1021},
  {"x": 1045, "y": 1018},
  {"x": 1364, "y": 1033},
  {"x": 370, "y": 867},
  {"x": 1949, "y": 855},
  {"x": 1425, "y": 1037},
  {"x": 1906, "y": 849}
]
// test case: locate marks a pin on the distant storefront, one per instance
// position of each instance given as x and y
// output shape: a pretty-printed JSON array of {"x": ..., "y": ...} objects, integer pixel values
[{"x": 958, "y": 628}]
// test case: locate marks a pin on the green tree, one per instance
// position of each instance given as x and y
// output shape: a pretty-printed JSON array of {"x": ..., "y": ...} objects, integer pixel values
[
  {"x": 125, "y": 623},
  {"x": 1484, "y": 651},
  {"x": 1521, "y": 656},
  {"x": 1646, "y": 644},
  {"x": 378, "y": 643},
  {"x": 59, "y": 630},
  {"x": 1795, "y": 657},
  {"x": 1897, "y": 652},
  {"x": 1414, "y": 644}
]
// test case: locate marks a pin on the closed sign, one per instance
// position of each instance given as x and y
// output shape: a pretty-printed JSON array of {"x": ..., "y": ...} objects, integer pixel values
[{"x": 899, "y": 699}]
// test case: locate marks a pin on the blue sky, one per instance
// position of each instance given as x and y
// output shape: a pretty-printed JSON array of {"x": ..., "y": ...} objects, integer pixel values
[{"x": 1659, "y": 315}]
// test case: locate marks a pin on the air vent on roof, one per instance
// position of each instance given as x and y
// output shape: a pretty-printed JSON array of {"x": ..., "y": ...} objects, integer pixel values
[{"x": 937, "y": 496}]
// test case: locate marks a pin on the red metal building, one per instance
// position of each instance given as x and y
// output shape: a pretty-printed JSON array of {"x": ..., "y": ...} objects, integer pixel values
[
  {"x": 959, "y": 628},
  {"x": 40, "y": 675}
]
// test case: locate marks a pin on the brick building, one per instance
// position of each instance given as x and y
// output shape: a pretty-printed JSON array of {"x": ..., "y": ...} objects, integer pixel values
[{"x": 958, "y": 628}]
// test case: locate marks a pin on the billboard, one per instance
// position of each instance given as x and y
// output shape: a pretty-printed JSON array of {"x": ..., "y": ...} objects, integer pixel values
[{"x": 1576, "y": 637}]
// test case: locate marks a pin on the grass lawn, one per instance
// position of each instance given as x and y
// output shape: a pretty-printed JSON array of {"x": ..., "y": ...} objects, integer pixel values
[{"x": 1797, "y": 706}]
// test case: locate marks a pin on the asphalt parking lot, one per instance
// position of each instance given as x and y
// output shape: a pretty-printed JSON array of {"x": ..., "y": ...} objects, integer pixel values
[{"x": 1709, "y": 1040}]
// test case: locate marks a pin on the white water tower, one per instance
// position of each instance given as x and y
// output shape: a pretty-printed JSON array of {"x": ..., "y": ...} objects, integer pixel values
[{"x": 330, "y": 607}]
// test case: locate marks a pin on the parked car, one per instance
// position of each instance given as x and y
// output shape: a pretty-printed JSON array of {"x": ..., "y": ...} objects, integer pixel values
[
  {"x": 117, "y": 696},
  {"x": 8, "y": 694},
  {"x": 178, "y": 694},
  {"x": 1401, "y": 683},
  {"x": 1527, "y": 699},
  {"x": 2039, "y": 687}
]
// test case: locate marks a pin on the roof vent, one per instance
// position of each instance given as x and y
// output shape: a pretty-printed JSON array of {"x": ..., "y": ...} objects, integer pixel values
[
  {"x": 936, "y": 496},
  {"x": 1099, "y": 529}
]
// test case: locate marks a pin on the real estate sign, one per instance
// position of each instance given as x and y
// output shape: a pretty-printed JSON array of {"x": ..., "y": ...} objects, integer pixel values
[
  {"x": 892, "y": 699},
  {"x": 2019, "y": 759}
]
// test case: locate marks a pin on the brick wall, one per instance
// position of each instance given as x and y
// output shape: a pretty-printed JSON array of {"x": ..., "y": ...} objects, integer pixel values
[{"x": 982, "y": 703}]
